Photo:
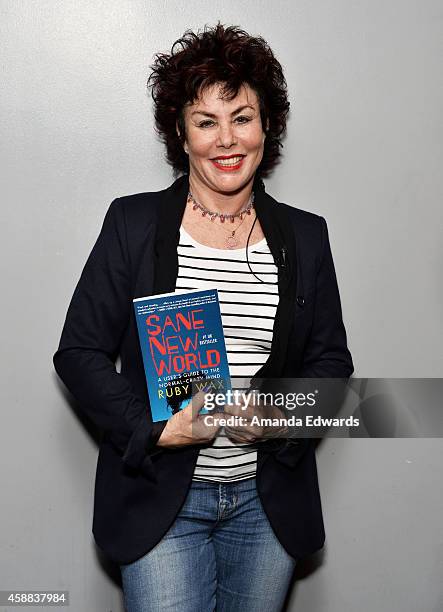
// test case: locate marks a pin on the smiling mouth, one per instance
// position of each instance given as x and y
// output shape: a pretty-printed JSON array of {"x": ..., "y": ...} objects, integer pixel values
[{"x": 228, "y": 163}]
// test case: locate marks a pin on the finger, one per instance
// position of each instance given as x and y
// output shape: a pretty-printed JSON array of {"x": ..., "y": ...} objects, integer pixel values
[
  {"x": 203, "y": 432},
  {"x": 196, "y": 404},
  {"x": 242, "y": 439},
  {"x": 233, "y": 410},
  {"x": 240, "y": 434},
  {"x": 212, "y": 423}
]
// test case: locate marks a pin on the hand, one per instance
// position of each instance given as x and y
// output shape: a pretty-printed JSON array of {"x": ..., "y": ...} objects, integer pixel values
[
  {"x": 259, "y": 430},
  {"x": 188, "y": 427}
]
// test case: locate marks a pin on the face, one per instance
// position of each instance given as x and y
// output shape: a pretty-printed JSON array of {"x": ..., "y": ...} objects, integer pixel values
[{"x": 224, "y": 139}]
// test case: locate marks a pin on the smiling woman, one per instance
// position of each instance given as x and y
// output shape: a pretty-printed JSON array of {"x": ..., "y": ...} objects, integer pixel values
[
  {"x": 232, "y": 139},
  {"x": 200, "y": 516},
  {"x": 224, "y": 140}
]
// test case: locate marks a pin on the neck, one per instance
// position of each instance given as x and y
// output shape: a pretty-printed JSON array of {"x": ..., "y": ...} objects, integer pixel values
[{"x": 228, "y": 203}]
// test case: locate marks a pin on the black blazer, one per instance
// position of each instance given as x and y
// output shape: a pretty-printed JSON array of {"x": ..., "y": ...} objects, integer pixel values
[{"x": 139, "y": 487}]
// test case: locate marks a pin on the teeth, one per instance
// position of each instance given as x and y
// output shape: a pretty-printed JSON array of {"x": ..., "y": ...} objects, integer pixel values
[{"x": 232, "y": 161}]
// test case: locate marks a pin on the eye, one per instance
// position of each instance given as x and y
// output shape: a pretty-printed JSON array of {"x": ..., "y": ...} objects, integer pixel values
[
  {"x": 242, "y": 119},
  {"x": 207, "y": 123}
]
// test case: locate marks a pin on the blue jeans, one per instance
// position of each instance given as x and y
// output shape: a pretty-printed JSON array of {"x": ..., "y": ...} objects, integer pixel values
[{"x": 220, "y": 554}]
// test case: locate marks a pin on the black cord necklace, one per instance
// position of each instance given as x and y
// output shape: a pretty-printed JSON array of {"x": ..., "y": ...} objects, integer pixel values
[{"x": 247, "y": 256}]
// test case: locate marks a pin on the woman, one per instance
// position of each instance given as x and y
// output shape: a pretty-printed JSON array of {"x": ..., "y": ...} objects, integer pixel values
[{"x": 199, "y": 517}]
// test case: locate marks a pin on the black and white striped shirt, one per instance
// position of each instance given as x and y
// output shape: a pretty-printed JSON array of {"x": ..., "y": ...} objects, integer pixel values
[{"x": 247, "y": 309}]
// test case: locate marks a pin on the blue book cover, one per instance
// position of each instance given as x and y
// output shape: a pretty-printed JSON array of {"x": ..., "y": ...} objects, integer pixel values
[{"x": 183, "y": 348}]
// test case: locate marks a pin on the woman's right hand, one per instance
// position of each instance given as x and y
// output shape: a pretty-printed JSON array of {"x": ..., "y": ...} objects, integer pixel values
[{"x": 188, "y": 427}]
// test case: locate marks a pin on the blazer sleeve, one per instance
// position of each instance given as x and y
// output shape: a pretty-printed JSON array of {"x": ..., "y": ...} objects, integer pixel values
[{"x": 85, "y": 360}]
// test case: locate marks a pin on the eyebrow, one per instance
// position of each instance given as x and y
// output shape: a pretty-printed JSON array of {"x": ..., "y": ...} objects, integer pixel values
[{"x": 237, "y": 110}]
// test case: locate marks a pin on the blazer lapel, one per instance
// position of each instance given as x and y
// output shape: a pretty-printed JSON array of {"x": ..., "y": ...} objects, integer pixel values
[
  {"x": 171, "y": 210},
  {"x": 277, "y": 228}
]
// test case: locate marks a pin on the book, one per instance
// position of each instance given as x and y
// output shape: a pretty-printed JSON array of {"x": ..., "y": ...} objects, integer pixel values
[{"x": 183, "y": 348}]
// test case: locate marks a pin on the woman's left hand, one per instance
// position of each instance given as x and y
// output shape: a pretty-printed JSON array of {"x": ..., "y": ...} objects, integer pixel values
[{"x": 256, "y": 429}]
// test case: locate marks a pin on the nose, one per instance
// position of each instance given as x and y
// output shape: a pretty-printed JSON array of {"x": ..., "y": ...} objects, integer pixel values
[{"x": 226, "y": 135}]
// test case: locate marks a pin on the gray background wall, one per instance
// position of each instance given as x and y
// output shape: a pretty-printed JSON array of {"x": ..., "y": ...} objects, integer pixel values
[{"x": 363, "y": 149}]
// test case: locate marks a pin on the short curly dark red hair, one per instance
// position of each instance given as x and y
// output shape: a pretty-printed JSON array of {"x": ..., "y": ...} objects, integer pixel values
[{"x": 219, "y": 54}]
